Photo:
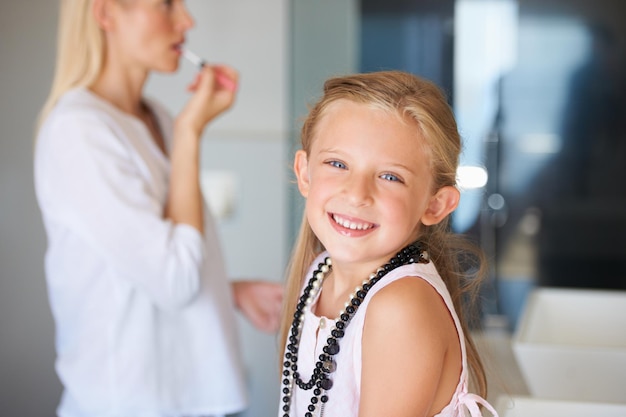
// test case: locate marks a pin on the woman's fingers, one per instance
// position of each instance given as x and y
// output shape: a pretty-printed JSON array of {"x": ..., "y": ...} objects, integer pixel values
[
  {"x": 226, "y": 77},
  {"x": 222, "y": 77},
  {"x": 214, "y": 89}
]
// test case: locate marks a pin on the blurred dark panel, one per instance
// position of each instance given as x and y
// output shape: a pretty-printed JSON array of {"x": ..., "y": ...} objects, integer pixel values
[
  {"x": 556, "y": 144},
  {"x": 579, "y": 188},
  {"x": 414, "y": 36}
]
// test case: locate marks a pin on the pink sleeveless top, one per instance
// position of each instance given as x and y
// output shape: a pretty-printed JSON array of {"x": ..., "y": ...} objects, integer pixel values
[{"x": 343, "y": 397}]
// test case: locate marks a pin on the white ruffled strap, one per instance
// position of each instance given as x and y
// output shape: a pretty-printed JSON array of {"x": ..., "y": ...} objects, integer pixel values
[{"x": 471, "y": 402}]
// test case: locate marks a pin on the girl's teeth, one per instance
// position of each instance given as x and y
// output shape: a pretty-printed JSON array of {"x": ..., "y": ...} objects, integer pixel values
[{"x": 351, "y": 225}]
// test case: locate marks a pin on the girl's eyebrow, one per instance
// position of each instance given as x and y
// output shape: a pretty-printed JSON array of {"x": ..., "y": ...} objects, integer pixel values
[
  {"x": 329, "y": 150},
  {"x": 403, "y": 167}
]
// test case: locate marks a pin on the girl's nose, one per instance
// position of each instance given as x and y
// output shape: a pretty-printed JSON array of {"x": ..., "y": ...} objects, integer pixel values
[{"x": 359, "y": 190}]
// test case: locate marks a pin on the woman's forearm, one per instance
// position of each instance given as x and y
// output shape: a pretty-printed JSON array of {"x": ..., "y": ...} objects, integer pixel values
[
  {"x": 184, "y": 202},
  {"x": 211, "y": 97}
]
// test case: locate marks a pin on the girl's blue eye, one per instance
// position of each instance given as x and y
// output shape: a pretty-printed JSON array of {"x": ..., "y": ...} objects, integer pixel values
[
  {"x": 390, "y": 177},
  {"x": 337, "y": 164}
]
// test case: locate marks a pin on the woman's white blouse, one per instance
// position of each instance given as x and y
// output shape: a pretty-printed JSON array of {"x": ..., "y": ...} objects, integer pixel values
[{"x": 145, "y": 325}]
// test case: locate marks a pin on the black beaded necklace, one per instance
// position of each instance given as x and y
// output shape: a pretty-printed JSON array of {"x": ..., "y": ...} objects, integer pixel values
[{"x": 320, "y": 381}]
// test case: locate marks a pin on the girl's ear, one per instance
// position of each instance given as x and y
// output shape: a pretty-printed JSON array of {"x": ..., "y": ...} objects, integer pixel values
[
  {"x": 301, "y": 169},
  {"x": 444, "y": 202},
  {"x": 101, "y": 10}
]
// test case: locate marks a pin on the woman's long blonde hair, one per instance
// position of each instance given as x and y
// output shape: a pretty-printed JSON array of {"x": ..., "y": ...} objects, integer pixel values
[
  {"x": 460, "y": 263},
  {"x": 80, "y": 51}
]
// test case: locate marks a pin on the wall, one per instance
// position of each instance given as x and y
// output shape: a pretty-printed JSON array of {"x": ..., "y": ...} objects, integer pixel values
[
  {"x": 318, "y": 51},
  {"x": 28, "y": 385},
  {"x": 249, "y": 142}
]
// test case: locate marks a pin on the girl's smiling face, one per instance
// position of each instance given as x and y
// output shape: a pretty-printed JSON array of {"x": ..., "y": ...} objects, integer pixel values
[{"x": 368, "y": 184}]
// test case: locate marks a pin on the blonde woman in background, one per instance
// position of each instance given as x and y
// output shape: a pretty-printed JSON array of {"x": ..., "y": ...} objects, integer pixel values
[{"x": 144, "y": 312}]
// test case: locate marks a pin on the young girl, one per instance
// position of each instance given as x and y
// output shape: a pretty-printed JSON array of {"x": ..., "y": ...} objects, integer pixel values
[{"x": 373, "y": 323}]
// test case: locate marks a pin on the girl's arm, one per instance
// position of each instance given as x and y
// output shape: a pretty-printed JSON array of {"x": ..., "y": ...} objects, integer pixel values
[{"x": 411, "y": 361}]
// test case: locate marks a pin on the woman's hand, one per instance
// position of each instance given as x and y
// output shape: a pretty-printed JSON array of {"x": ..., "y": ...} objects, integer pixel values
[
  {"x": 214, "y": 90},
  {"x": 261, "y": 303}
]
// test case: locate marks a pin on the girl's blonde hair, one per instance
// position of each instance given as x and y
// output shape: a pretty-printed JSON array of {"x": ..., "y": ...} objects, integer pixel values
[
  {"x": 80, "y": 51},
  {"x": 460, "y": 263}
]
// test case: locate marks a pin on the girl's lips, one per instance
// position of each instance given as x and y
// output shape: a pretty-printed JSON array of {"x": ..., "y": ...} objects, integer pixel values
[{"x": 350, "y": 226}]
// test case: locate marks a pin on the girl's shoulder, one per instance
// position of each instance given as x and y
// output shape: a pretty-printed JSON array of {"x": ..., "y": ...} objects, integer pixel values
[
  {"x": 419, "y": 279},
  {"x": 409, "y": 298},
  {"x": 413, "y": 294}
]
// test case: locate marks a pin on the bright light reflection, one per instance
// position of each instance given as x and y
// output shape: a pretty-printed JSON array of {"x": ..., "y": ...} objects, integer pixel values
[
  {"x": 470, "y": 177},
  {"x": 540, "y": 143}
]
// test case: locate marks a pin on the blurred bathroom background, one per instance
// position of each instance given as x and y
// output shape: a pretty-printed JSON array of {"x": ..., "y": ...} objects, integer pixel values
[{"x": 538, "y": 88}]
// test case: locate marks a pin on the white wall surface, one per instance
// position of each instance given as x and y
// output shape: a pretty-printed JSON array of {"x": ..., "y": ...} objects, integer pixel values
[
  {"x": 324, "y": 42},
  {"x": 249, "y": 142}
]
